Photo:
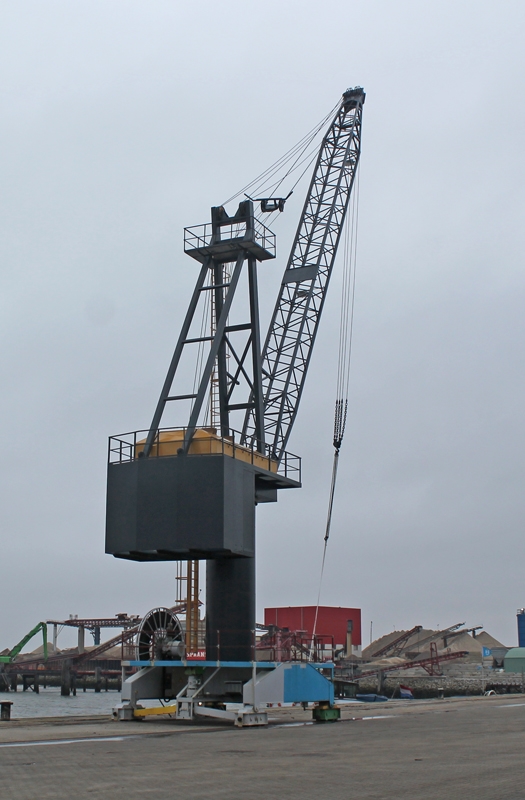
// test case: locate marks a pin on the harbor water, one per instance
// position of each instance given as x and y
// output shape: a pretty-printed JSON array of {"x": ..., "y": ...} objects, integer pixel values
[{"x": 50, "y": 703}]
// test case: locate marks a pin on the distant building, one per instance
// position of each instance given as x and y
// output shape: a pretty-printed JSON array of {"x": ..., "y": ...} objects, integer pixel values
[
  {"x": 331, "y": 621},
  {"x": 515, "y": 660}
]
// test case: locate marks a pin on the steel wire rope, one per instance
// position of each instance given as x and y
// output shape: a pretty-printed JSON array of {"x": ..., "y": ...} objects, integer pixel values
[
  {"x": 302, "y": 144},
  {"x": 265, "y": 176},
  {"x": 295, "y": 165},
  {"x": 273, "y": 168},
  {"x": 309, "y": 158},
  {"x": 305, "y": 170},
  {"x": 270, "y": 188},
  {"x": 346, "y": 327},
  {"x": 200, "y": 350},
  {"x": 275, "y": 215}
]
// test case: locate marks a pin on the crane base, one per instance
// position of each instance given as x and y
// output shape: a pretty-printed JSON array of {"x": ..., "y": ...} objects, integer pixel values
[{"x": 236, "y": 692}]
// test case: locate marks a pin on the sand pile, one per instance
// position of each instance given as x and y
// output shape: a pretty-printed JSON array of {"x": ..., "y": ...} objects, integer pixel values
[
  {"x": 383, "y": 641},
  {"x": 384, "y": 662},
  {"x": 111, "y": 654},
  {"x": 464, "y": 641},
  {"x": 487, "y": 640},
  {"x": 414, "y": 651},
  {"x": 38, "y": 651}
]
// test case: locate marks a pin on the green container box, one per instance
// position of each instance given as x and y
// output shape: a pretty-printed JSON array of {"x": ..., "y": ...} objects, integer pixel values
[{"x": 330, "y": 714}]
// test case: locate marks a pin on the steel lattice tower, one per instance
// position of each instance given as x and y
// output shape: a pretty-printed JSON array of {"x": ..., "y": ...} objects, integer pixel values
[{"x": 295, "y": 320}]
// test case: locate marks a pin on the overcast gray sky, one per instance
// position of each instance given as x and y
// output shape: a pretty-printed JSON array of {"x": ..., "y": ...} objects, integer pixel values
[{"x": 123, "y": 122}]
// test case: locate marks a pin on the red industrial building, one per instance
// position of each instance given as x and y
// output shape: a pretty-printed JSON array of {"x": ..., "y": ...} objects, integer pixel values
[{"x": 331, "y": 621}]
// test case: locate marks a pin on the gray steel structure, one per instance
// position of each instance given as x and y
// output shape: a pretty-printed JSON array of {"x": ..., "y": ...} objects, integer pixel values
[
  {"x": 188, "y": 505},
  {"x": 295, "y": 321},
  {"x": 161, "y": 509},
  {"x": 185, "y": 505},
  {"x": 228, "y": 240}
]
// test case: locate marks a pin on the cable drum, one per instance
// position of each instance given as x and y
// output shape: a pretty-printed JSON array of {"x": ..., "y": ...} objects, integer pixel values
[{"x": 160, "y": 637}]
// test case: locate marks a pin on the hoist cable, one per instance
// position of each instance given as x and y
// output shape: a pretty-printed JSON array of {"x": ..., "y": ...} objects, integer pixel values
[
  {"x": 312, "y": 644},
  {"x": 348, "y": 298},
  {"x": 327, "y": 534},
  {"x": 346, "y": 327}
]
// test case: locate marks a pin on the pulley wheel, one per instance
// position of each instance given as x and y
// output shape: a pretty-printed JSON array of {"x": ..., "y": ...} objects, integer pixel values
[{"x": 159, "y": 629}]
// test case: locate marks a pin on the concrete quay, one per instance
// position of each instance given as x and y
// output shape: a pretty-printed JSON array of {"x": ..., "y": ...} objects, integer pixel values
[
  {"x": 454, "y": 748},
  {"x": 461, "y": 683}
]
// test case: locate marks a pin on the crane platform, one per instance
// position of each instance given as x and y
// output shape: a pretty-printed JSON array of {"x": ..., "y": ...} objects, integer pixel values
[{"x": 201, "y": 241}]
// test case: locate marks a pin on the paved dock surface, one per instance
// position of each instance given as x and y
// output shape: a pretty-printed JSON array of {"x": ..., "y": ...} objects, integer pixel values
[{"x": 456, "y": 748}]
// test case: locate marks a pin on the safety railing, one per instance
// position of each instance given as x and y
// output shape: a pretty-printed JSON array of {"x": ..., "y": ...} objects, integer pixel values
[
  {"x": 227, "y": 645},
  {"x": 201, "y": 236},
  {"x": 296, "y": 646},
  {"x": 169, "y": 442}
]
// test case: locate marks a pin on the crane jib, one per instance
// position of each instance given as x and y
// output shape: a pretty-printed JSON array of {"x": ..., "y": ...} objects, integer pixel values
[{"x": 293, "y": 328}]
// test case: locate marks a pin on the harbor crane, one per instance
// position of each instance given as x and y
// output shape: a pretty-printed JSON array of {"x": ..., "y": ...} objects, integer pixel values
[{"x": 190, "y": 492}]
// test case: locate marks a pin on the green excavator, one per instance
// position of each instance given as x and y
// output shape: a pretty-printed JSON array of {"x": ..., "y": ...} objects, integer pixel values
[{"x": 10, "y": 657}]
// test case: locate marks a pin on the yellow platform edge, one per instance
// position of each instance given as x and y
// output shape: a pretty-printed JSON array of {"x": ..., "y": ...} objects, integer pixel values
[
  {"x": 205, "y": 442},
  {"x": 157, "y": 710}
]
